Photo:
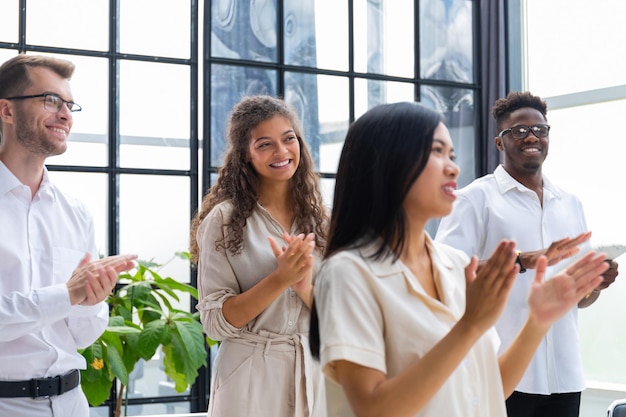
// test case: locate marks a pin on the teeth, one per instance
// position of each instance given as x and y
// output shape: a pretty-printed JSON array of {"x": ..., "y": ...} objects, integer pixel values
[
  {"x": 449, "y": 189},
  {"x": 280, "y": 164},
  {"x": 56, "y": 129}
]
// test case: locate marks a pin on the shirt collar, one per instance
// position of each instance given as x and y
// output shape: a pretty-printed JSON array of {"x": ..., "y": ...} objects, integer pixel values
[
  {"x": 506, "y": 182},
  {"x": 8, "y": 182},
  {"x": 387, "y": 267}
]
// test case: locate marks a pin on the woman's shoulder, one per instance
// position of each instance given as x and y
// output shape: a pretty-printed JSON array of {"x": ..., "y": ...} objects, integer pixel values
[{"x": 450, "y": 254}]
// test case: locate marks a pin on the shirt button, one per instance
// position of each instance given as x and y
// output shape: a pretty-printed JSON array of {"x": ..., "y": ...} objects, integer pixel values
[
  {"x": 474, "y": 401},
  {"x": 290, "y": 323}
]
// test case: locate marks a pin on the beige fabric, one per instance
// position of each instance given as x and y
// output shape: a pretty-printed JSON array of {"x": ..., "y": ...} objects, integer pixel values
[
  {"x": 264, "y": 368},
  {"x": 377, "y": 315}
]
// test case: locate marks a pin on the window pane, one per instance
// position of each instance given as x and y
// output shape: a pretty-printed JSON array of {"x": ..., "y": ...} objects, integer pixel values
[
  {"x": 91, "y": 189},
  {"x": 87, "y": 143},
  {"x": 154, "y": 219},
  {"x": 76, "y": 24},
  {"x": 9, "y": 21},
  {"x": 316, "y": 33},
  {"x": 244, "y": 30},
  {"x": 327, "y": 187},
  {"x": 457, "y": 106},
  {"x": 155, "y": 27},
  {"x": 321, "y": 102},
  {"x": 154, "y": 118},
  {"x": 370, "y": 93},
  {"x": 446, "y": 40},
  {"x": 602, "y": 345},
  {"x": 592, "y": 55},
  {"x": 384, "y": 37},
  {"x": 229, "y": 85}
]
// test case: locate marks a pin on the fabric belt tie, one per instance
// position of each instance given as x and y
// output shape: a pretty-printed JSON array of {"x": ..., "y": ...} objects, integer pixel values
[
  {"x": 304, "y": 361},
  {"x": 40, "y": 387}
]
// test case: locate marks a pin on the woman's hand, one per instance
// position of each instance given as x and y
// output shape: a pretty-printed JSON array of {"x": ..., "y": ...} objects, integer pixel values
[
  {"x": 550, "y": 300},
  {"x": 295, "y": 263},
  {"x": 489, "y": 288}
]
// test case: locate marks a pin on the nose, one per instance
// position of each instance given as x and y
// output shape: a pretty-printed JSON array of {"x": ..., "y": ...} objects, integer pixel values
[
  {"x": 534, "y": 136},
  {"x": 452, "y": 169},
  {"x": 64, "y": 113},
  {"x": 280, "y": 148}
]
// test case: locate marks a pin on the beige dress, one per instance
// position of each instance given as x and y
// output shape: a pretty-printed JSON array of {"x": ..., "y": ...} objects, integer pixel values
[{"x": 265, "y": 367}]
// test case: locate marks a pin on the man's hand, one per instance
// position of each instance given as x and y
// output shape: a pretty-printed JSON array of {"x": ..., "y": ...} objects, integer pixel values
[
  {"x": 92, "y": 282},
  {"x": 556, "y": 252}
]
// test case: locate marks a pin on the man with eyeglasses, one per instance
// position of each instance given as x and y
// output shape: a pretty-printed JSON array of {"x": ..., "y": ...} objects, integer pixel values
[
  {"x": 52, "y": 284},
  {"x": 518, "y": 202}
]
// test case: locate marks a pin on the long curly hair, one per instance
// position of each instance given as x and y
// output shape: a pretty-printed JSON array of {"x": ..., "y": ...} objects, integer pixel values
[{"x": 238, "y": 182}]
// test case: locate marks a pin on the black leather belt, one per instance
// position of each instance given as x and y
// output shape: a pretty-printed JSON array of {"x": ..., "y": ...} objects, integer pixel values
[{"x": 41, "y": 387}]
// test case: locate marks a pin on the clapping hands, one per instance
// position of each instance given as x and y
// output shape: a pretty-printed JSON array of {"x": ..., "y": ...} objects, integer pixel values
[{"x": 93, "y": 281}]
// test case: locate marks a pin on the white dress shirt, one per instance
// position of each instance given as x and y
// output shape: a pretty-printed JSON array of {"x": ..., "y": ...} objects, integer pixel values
[
  {"x": 42, "y": 241},
  {"x": 496, "y": 207}
]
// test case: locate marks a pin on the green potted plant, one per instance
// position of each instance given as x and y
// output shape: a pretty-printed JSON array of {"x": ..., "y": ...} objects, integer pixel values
[{"x": 142, "y": 319}]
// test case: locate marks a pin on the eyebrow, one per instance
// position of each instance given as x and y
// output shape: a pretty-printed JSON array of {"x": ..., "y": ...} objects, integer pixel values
[
  {"x": 286, "y": 132},
  {"x": 444, "y": 144}
]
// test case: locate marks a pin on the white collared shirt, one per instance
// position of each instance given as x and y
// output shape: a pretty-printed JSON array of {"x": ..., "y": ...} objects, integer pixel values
[
  {"x": 377, "y": 315},
  {"x": 42, "y": 241},
  {"x": 496, "y": 207}
]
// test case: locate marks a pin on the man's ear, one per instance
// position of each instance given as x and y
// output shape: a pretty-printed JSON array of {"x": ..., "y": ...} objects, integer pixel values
[
  {"x": 6, "y": 110},
  {"x": 499, "y": 144}
]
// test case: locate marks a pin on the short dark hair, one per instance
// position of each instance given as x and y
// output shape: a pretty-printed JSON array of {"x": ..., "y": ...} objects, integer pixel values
[
  {"x": 14, "y": 73},
  {"x": 516, "y": 100},
  {"x": 385, "y": 151}
]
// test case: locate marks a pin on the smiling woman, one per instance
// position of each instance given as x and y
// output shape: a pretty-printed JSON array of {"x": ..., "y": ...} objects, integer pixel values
[{"x": 255, "y": 294}]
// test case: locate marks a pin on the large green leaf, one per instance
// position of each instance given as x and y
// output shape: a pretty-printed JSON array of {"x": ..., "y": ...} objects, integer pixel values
[
  {"x": 117, "y": 365},
  {"x": 97, "y": 391},
  {"x": 180, "y": 286},
  {"x": 180, "y": 382},
  {"x": 151, "y": 337}
]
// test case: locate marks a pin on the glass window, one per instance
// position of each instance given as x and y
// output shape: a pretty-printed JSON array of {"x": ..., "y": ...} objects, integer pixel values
[
  {"x": 446, "y": 40},
  {"x": 154, "y": 217},
  {"x": 75, "y": 24},
  {"x": 380, "y": 28},
  {"x": 316, "y": 33},
  {"x": 164, "y": 27},
  {"x": 154, "y": 116},
  {"x": 244, "y": 30},
  {"x": 370, "y": 93},
  {"x": 591, "y": 56},
  {"x": 9, "y": 22}
]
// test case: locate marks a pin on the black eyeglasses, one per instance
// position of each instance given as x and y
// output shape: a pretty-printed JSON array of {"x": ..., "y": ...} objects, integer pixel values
[
  {"x": 51, "y": 102},
  {"x": 521, "y": 131}
]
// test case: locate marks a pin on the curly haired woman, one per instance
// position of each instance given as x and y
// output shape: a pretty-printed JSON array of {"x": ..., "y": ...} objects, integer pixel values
[{"x": 257, "y": 240}]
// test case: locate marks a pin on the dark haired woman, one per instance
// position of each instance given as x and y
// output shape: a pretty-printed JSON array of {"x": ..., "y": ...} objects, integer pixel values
[
  {"x": 255, "y": 294},
  {"x": 405, "y": 323}
]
